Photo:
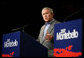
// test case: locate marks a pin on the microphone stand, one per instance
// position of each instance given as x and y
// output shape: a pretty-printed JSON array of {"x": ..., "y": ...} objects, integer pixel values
[{"x": 20, "y": 28}]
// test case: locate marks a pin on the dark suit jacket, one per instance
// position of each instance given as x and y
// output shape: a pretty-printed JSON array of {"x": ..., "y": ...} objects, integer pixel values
[{"x": 49, "y": 45}]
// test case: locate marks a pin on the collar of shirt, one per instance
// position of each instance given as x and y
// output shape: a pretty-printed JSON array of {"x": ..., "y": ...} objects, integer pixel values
[{"x": 49, "y": 22}]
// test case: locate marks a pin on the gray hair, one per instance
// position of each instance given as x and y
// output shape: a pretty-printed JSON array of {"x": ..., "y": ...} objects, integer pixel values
[{"x": 50, "y": 9}]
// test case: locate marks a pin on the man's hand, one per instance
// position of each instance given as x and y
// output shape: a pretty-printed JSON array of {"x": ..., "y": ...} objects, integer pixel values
[{"x": 48, "y": 36}]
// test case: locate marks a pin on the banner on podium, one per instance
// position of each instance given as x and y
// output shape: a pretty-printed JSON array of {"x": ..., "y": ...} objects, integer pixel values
[
  {"x": 11, "y": 45},
  {"x": 21, "y": 44},
  {"x": 68, "y": 39}
]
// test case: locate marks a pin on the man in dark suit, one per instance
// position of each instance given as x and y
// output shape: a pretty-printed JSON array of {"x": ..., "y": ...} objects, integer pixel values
[{"x": 46, "y": 36}]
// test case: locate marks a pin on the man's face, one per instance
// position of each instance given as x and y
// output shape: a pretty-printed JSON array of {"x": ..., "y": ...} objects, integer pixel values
[{"x": 47, "y": 15}]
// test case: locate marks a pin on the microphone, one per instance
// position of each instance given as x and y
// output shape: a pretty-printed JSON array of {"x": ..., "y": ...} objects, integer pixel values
[{"x": 20, "y": 28}]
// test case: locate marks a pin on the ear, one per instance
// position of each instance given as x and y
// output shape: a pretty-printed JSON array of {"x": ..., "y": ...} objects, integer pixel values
[{"x": 52, "y": 14}]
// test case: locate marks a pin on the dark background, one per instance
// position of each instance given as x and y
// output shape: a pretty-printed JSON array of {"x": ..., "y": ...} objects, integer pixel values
[{"x": 15, "y": 14}]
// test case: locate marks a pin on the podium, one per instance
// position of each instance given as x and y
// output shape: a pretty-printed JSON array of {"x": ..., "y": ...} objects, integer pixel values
[
  {"x": 20, "y": 44},
  {"x": 68, "y": 40}
]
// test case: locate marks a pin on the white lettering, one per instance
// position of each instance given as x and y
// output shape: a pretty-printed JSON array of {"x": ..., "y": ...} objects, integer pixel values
[
  {"x": 69, "y": 35},
  {"x": 9, "y": 43}
]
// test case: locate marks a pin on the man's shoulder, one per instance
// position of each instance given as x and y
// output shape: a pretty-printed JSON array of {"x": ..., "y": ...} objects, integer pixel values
[
  {"x": 42, "y": 26},
  {"x": 56, "y": 21}
]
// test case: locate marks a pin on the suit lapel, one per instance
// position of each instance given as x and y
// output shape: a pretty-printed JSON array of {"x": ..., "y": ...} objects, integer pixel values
[
  {"x": 51, "y": 26},
  {"x": 42, "y": 33}
]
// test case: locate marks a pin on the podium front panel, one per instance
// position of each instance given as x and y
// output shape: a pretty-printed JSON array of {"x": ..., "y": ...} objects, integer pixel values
[
  {"x": 68, "y": 39},
  {"x": 21, "y": 44},
  {"x": 11, "y": 44}
]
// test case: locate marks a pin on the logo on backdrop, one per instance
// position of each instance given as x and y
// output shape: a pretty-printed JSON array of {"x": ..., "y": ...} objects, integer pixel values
[
  {"x": 67, "y": 35},
  {"x": 10, "y": 43}
]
